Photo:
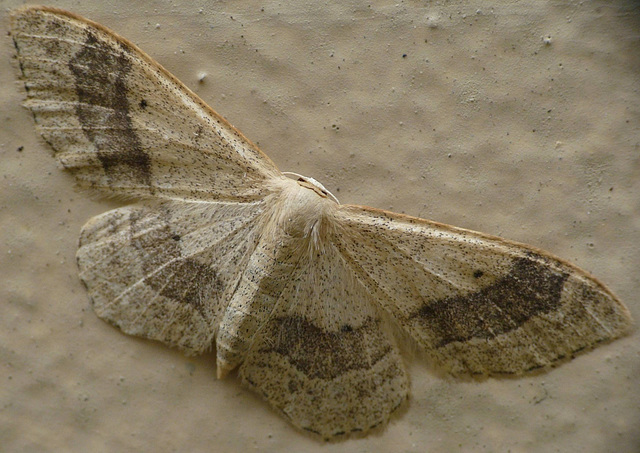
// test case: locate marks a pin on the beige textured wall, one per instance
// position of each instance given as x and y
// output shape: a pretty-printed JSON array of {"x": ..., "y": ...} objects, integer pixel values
[{"x": 446, "y": 110}]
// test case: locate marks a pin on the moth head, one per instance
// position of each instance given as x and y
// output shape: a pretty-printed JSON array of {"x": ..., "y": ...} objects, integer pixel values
[{"x": 310, "y": 183}]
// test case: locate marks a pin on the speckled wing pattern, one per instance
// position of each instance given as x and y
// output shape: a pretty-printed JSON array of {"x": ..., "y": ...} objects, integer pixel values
[
  {"x": 307, "y": 297},
  {"x": 477, "y": 304},
  {"x": 121, "y": 123},
  {"x": 166, "y": 271},
  {"x": 326, "y": 357}
]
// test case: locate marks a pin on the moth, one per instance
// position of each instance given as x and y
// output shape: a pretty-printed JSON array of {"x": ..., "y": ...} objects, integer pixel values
[{"x": 310, "y": 299}]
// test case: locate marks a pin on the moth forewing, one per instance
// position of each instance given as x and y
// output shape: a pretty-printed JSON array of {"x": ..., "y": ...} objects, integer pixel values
[
  {"x": 121, "y": 123},
  {"x": 478, "y": 304}
]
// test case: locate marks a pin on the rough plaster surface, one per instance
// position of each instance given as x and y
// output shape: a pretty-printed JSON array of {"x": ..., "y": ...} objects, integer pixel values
[{"x": 520, "y": 119}]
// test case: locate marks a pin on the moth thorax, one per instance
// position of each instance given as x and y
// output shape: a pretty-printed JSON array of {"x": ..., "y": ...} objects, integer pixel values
[{"x": 305, "y": 212}]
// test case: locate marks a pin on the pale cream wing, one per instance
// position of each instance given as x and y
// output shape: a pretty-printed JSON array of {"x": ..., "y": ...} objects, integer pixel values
[
  {"x": 166, "y": 272},
  {"x": 477, "y": 304},
  {"x": 326, "y": 358},
  {"x": 121, "y": 123}
]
